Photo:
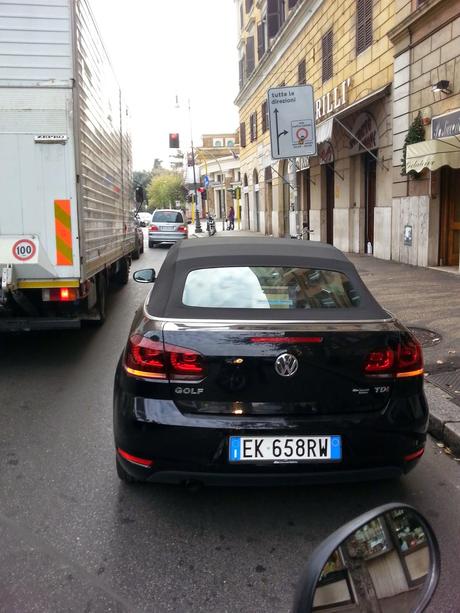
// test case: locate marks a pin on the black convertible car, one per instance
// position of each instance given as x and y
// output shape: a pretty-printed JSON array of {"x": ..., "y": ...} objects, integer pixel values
[{"x": 265, "y": 361}]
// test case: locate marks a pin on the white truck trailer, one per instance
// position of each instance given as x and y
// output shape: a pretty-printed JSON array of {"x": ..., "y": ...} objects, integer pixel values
[{"x": 66, "y": 195}]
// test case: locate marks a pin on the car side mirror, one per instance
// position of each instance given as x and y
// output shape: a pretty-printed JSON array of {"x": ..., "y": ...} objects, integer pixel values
[
  {"x": 146, "y": 275},
  {"x": 385, "y": 560}
]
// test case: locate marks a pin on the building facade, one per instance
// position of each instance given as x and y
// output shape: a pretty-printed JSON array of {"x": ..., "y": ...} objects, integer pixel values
[
  {"x": 426, "y": 207},
  {"x": 219, "y": 170},
  {"x": 344, "y": 52}
]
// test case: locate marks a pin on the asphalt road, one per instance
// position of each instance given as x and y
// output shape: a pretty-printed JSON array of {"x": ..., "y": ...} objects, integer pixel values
[{"x": 74, "y": 538}]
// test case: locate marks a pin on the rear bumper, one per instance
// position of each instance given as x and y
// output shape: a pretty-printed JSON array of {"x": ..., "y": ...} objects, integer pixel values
[
  {"x": 38, "y": 323},
  {"x": 194, "y": 448},
  {"x": 166, "y": 237}
]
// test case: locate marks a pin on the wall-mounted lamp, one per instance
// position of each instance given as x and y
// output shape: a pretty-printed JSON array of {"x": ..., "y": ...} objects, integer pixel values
[{"x": 441, "y": 86}]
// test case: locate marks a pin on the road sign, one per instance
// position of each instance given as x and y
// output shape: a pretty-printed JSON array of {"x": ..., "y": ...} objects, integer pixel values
[
  {"x": 292, "y": 121},
  {"x": 206, "y": 181}
]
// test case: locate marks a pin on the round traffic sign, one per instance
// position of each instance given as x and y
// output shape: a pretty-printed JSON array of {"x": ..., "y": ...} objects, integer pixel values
[
  {"x": 24, "y": 249},
  {"x": 302, "y": 134}
]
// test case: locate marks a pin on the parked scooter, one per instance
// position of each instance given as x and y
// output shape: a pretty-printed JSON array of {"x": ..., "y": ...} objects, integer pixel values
[
  {"x": 210, "y": 225},
  {"x": 385, "y": 560}
]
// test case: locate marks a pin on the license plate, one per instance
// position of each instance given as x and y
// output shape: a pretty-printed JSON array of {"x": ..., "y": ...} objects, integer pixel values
[
  {"x": 285, "y": 448},
  {"x": 165, "y": 228}
]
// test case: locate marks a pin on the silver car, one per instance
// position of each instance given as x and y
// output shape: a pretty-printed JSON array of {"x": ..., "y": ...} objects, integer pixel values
[{"x": 167, "y": 226}]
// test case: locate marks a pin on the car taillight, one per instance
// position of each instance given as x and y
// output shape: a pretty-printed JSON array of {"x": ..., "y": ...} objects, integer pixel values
[
  {"x": 409, "y": 360},
  {"x": 154, "y": 228},
  {"x": 151, "y": 359},
  {"x": 184, "y": 363},
  {"x": 182, "y": 229},
  {"x": 404, "y": 361}
]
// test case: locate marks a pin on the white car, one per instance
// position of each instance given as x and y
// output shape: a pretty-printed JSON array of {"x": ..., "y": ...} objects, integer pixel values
[{"x": 145, "y": 218}]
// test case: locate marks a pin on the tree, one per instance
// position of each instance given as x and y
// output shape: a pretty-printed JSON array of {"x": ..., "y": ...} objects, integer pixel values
[
  {"x": 164, "y": 189},
  {"x": 416, "y": 134}
]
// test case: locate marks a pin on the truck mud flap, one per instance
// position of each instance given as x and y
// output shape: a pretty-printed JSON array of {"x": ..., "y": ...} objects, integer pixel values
[{"x": 38, "y": 323}]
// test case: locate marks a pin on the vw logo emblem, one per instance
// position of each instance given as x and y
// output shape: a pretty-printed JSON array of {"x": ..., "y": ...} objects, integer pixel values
[{"x": 286, "y": 365}]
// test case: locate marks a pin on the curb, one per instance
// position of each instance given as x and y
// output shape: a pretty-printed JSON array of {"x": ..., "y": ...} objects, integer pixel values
[{"x": 444, "y": 423}]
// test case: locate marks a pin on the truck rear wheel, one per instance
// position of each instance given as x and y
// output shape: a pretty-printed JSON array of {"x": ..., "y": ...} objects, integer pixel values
[{"x": 122, "y": 275}]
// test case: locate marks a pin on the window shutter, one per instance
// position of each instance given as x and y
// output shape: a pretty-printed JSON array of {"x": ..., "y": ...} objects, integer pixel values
[
  {"x": 248, "y": 5},
  {"x": 253, "y": 126},
  {"x": 363, "y": 24},
  {"x": 241, "y": 68},
  {"x": 250, "y": 59},
  {"x": 260, "y": 40},
  {"x": 243, "y": 134},
  {"x": 327, "y": 56},
  {"x": 263, "y": 112},
  {"x": 302, "y": 72},
  {"x": 273, "y": 18}
]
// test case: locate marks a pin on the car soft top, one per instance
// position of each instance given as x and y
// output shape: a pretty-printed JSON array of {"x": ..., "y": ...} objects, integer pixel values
[{"x": 166, "y": 297}]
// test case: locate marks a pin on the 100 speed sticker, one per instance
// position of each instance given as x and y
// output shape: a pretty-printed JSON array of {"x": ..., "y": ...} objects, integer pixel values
[{"x": 24, "y": 250}]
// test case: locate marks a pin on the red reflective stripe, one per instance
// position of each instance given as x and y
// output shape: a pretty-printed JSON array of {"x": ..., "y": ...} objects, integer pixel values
[
  {"x": 415, "y": 455},
  {"x": 287, "y": 339},
  {"x": 134, "y": 459}
]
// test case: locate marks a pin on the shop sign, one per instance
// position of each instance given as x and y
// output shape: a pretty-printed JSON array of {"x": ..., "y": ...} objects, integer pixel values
[
  {"x": 326, "y": 153},
  {"x": 446, "y": 125},
  {"x": 303, "y": 163},
  {"x": 408, "y": 236},
  {"x": 333, "y": 100},
  {"x": 365, "y": 129}
]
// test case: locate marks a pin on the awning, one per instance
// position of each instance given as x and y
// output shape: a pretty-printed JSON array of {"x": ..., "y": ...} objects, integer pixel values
[
  {"x": 433, "y": 154},
  {"x": 324, "y": 131}
]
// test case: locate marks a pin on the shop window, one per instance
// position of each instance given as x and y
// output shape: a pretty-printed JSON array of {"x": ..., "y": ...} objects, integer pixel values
[
  {"x": 264, "y": 115},
  {"x": 260, "y": 39},
  {"x": 302, "y": 72},
  {"x": 243, "y": 134},
  {"x": 326, "y": 45},
  {"x": 363, "y": 25},
  {"x": 253, "y": 126},
  {"x": 250, "y": 58}
]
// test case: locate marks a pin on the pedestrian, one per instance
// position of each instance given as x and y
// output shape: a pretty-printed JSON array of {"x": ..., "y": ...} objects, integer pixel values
[{"x": 231, "y": 219}]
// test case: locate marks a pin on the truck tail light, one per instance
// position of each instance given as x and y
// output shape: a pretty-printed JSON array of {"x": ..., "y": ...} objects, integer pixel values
[
  {"x": 151, "y": 359},
  {"x": 404, "y": 361},
  {"x": 60, "y": 294},
  {"x": 154, "y": 228}
]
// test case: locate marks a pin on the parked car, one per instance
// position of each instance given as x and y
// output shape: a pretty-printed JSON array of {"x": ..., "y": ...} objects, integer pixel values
[
  {"x": 139, "y": 239},
  {"x": 265, "y": 361},
  {"x": 145, "y": 218},
  {"x": 167, "y": 226}
]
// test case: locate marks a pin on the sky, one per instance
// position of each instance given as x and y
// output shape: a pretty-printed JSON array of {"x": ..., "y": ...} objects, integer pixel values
[{"x": 161, "y": 49}]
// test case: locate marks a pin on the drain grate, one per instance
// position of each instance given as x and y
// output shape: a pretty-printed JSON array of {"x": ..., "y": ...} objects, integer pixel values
[
  {"x": 449, "y": 382},
  {"x": 427, "y": 338}
]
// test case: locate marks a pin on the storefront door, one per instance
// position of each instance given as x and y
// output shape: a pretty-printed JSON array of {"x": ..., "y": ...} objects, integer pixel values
[
  {"x": 330, "y": 189},
  {"x": 303, "y": 195},
  {"x": 370, "y": 169},
  {"x": 450, "y": 217}
]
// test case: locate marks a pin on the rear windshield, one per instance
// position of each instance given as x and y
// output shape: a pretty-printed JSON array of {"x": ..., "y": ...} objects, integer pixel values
[
  {"x": 260, "y": 287},
  {"x": 167, "y": 217}
]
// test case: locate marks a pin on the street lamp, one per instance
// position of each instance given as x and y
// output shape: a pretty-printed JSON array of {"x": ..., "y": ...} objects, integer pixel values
[{"x": 198, "y": 228}]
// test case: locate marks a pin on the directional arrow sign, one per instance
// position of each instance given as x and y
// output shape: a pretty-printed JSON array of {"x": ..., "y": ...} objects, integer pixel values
[{"x": 292, "y": 121}]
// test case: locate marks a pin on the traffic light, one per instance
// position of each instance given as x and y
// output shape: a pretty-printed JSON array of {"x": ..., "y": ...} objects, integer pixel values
[
  {"x": 174, "y": 141},
  {"x": 202, "y": 191},
  {"x": 140, "y": 194}
]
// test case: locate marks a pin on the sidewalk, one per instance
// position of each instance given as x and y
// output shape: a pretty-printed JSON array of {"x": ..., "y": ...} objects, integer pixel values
[{"x": 426, "y": 300}]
